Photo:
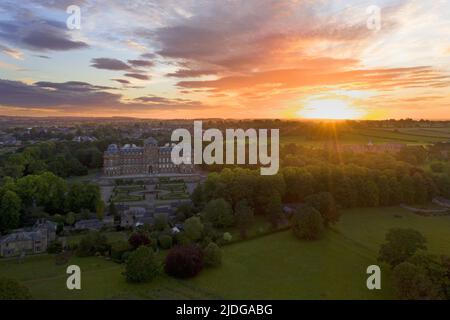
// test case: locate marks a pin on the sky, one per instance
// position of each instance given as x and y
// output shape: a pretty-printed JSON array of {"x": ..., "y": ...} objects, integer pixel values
[{"x": 286, "y": 59}]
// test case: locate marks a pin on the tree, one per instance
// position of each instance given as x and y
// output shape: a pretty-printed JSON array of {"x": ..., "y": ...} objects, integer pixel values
[
  {"x": 325, "y": 204},
  {"x": 274, "y": 208},
  {"x": 437, "y": 269},
  {"x": 244, "y": 217},
  {"x": 407, "y": 187},
  {"x": 420, "y": 188},
  {"x": 141, "y": 265},
  {"x": 160, "y": 221},
  {"x": 55, "y": 247},
  {"x": 118, "y": 250},
  {"x": 370, "y": 193},
  {"x": 92, "y": 243},
  {"x": 138, "y": 239},
  {"x": 112, "y": 209},
  {"x": 184, "y": 261},
  {"x": 219, "y": 213},
  {"x": 412, "y": 283},
  {"x": 400, "y": 245},
  {"x": 307, "y": 223},
  {"x": 184, "y": 211},
  {"x": 83, "y": 196},
  {"x": 165, "y": 241},
  {"x": 193, "y": 228},
  {"x": 197, "y": 196},
  {"x": 12, "y": 290},
  {"x": 10, "y": 207},
  {"x": 70, "y": 219},
  {"x": 100, "y": 209},
  {"x": 212, "y": 255}
]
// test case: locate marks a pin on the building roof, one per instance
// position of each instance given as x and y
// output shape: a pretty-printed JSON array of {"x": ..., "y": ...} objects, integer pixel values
[
  {"x": 89, "y": 224},
  {"x": 21, "y": 236},
  {"x": 151, "y": 142}
]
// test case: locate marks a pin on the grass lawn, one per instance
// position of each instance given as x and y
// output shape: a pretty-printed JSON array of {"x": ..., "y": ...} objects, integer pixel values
[
  {"x": 271, "y": 267},
  {"x": 379, "y": 135},
  {"x": 110, "y": 235}
]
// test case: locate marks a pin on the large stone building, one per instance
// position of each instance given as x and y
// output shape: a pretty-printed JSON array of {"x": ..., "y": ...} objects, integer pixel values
[{"x": 133, "y": 160}]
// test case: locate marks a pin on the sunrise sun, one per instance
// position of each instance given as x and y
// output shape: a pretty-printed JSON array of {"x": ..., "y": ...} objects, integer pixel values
[{"x": 334, "y": 109}]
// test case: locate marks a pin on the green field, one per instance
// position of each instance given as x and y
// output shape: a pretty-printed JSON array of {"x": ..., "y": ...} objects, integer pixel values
[
  {"x": 276, "y": 266},
  {"x": 380, "y": 135}
]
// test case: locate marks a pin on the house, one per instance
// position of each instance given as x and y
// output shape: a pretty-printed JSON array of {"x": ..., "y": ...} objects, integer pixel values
[
  {"x": 108, "y": 221},
  {"x": 48, "y": 227},
  {"x": 167, "y": 210},
  {"x": 84, "y": 139},
  {"x": 31, "y": 241},
  {"x": 90, "y": 224},
  {"x": 17, "y": 243},
  {"x": 177, "y": 228},
  {"x": 134, "y": 217}
]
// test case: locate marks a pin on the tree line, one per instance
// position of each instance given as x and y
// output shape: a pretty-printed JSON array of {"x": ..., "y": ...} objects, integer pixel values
[
  {"x": 63, "y": 159},
  {"x": 24, "y": 199}
]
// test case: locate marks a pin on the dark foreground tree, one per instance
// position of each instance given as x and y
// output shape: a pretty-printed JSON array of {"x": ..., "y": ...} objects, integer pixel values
[
  {"x": 142, "y": 265},
  {"x": 401, "y": 244},
  {"x": 307, "y": 223},
  {"x": 412, "y": 283},
  {"x": 184, "y": 261}
]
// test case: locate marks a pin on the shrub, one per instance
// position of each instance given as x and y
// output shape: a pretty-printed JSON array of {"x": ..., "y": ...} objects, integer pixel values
[
  {"x": 165, "y": 241},
  {"x": 141, "y": 265},
  {"x": 55, "y": 247},
  {"x": 412, "y": 283},
  {"x": 182, "y": 239},
  {"x": 325, "y": 204},
  {"x": 212, "y": 255},
  {"x": 307, "y": 224},
  {"x": 184, "y": 261},
  {"x": 401, "y": 244},
  {"x": 92, "y": 243},
  {"x": 227, "y": 237},
  {"x": 12, "y": 290},
  {"x": 193, "y": 228},
  {"x": 160, "y": 221},
  {"x": 219, "y": 213},
  {"x": 138, "y": 239},
  {"x": 118, "y": 250}
]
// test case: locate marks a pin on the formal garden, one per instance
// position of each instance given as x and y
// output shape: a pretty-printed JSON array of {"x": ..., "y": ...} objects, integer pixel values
[
  {"x": 128, "y": 193},
  {"x": 171, "y": 190}
]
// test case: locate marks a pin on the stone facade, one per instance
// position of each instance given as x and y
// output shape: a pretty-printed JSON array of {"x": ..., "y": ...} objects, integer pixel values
[
  {"x": 31, "y": 241},
  {"x": 133, "y": 160}
]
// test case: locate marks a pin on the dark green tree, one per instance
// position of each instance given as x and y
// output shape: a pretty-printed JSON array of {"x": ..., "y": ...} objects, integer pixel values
[
  {"x": 142, "y": 265},
  {"x": 400, "y": 245},
  {"x": 307, "y": 223}
]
